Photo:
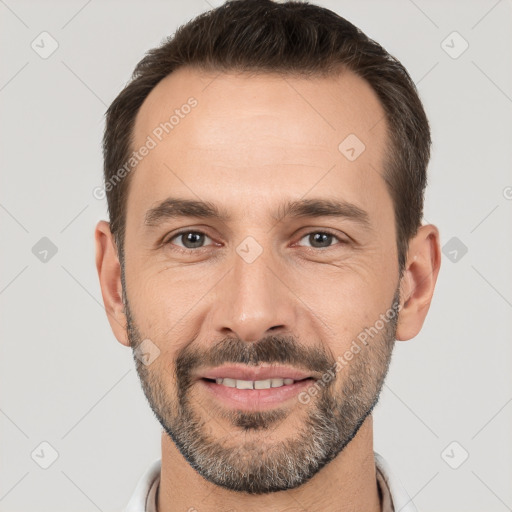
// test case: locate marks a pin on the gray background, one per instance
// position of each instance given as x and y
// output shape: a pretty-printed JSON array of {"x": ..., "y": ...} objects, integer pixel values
[{"x": 65, "y": 380}]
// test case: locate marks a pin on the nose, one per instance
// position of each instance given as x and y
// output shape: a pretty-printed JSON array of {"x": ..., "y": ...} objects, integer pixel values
[{"x": 254, "y": 301}]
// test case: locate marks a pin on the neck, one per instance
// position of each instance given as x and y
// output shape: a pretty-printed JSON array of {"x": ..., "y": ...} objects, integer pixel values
[{"x": 347, "y": 483}]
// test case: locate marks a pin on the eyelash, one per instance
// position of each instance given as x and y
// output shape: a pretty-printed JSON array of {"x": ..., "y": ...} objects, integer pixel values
[{"x": 189, "y": 251}]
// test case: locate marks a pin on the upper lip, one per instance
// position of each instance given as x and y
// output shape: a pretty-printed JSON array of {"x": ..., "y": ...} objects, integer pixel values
[{"x": 255, "y": 373}]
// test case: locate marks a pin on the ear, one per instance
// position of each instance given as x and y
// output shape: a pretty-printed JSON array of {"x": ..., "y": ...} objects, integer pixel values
[
  {"x": 418, "y": 281},
  {"x": 109, "y": 273}
]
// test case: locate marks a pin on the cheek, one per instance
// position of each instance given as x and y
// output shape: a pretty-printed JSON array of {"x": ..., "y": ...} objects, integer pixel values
[
  {"x": 164, "y": 304},
  {"x": 347, "y": 299}
]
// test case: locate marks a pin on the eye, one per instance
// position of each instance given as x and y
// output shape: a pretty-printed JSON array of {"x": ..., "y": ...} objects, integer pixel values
[
  {"x": 321, "y": 239},
  {"x": 190, "y": 240}
]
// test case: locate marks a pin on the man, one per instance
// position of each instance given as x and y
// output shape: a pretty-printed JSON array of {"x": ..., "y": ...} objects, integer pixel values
[{"x": 265, "y": 171}]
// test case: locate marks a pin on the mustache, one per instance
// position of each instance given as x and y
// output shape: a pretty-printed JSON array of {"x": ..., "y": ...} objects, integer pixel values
[{"x": 270, "y": 350}]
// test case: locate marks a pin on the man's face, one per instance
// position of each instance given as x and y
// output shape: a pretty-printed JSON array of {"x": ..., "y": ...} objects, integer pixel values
[{"x": 257, "y": 287}]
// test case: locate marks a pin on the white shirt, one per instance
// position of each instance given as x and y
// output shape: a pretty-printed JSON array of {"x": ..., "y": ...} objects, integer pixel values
[{"x": 394, "y": 496}]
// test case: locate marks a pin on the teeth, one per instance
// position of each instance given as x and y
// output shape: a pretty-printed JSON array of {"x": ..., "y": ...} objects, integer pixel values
[{"x": 254, "y": 384}]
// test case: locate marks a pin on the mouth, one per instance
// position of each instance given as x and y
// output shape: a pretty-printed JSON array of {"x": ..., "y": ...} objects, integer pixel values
[
  {"x": 254, "y": 395},
  {"x": 255, "y": 384}
]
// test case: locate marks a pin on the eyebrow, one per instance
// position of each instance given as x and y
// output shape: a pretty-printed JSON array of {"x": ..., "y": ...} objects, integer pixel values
[{"x": 173, "y": 208}]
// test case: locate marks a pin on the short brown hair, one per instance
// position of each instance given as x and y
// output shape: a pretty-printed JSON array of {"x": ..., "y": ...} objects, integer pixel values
[{"x": 295, "y": 38}]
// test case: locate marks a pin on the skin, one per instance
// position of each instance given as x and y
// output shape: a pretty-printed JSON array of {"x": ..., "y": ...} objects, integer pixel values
[{"x": 249, "y": 145}]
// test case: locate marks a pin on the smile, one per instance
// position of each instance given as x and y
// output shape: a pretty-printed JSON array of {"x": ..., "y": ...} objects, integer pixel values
[
  {"x": 254, "y": 394},
  {"x": 254, "y": 384}
]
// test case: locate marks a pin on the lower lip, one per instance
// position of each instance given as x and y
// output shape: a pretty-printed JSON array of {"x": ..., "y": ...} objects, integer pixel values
[{"x": 252, "y": 399}]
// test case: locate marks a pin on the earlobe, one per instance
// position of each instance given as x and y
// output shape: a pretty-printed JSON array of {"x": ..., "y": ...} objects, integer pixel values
[
  {"x": 418, "y": 281},
  {"x": 109, "y": 273}
]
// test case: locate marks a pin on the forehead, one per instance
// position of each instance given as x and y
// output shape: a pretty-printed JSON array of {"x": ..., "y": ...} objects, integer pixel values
[{"x": 234, "y": 138}]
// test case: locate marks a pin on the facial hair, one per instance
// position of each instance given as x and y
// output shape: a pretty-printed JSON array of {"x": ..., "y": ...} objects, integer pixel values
[{"x": 330, "y": 421}]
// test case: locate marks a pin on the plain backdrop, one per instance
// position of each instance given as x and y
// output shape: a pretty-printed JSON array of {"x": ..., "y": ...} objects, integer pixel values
[{"x": 445, "y": 415}]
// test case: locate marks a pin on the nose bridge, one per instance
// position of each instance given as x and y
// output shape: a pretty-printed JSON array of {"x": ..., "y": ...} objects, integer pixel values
[{"x": 252, "y": 299}]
